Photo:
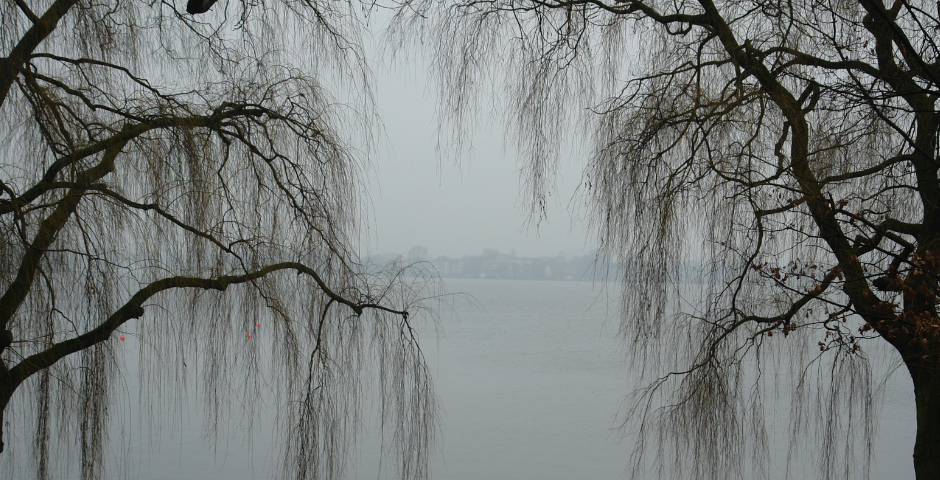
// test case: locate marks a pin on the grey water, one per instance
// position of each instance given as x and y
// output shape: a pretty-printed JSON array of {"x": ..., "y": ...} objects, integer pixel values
[{"x": 530, "y": 378}]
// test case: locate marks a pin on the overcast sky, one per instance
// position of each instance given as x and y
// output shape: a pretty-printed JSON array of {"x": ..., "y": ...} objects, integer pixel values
[{"x": 419, "y": 198}]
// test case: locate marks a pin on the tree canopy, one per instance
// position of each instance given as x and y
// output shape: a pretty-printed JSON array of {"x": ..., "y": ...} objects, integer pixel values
[
  {"x": 181, "y": 179},
  {"x": 783, "y": 154}
]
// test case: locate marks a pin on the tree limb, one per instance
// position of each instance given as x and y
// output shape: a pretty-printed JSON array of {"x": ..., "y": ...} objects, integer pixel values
[{"x": 134, "y": 308}]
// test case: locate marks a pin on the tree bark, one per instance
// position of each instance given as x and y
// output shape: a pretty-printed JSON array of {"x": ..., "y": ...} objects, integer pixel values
[{"x": 927, "y": 400}]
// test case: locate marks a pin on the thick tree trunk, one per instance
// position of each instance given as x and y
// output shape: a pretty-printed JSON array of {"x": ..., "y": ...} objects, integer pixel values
[{"x": 927, "y": 398}]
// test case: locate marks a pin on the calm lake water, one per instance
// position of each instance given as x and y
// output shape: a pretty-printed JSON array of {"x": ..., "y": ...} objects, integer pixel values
[{"x": 530, "y": 379}]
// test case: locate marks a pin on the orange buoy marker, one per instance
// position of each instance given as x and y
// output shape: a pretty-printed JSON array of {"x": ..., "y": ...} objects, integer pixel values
[
  {"x": 122, "y": 338},
  {"x": 249, "y": 335},
  {"x": 257, "y": 324}
]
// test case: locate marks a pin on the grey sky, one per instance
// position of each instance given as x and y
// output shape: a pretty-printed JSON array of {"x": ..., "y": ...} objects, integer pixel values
[{"x": 454, "y": 209}]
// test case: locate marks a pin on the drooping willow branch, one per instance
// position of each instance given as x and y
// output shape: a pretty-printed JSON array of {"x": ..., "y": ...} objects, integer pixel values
[
  {"x": 111, "y": 146},
  {"x": 10, "y": 66},
  {"x": 225, "y": 111},
  {"x": 134, "y": 308}
]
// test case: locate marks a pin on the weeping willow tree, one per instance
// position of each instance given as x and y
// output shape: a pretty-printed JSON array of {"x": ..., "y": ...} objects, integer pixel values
[
  {"x": 189, "y": 183},
  {"x": 782, "y": 153}
]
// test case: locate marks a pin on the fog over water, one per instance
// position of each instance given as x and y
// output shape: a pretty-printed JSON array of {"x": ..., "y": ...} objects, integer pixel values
[{"x": 531, "y": 381}]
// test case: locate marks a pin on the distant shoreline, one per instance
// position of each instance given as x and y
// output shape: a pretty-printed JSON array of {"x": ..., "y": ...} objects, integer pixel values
[{"x": 494, "y": 265}]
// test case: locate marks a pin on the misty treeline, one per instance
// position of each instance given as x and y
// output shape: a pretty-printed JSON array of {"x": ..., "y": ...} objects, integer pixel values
[{"x": 193, "y": 181}]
